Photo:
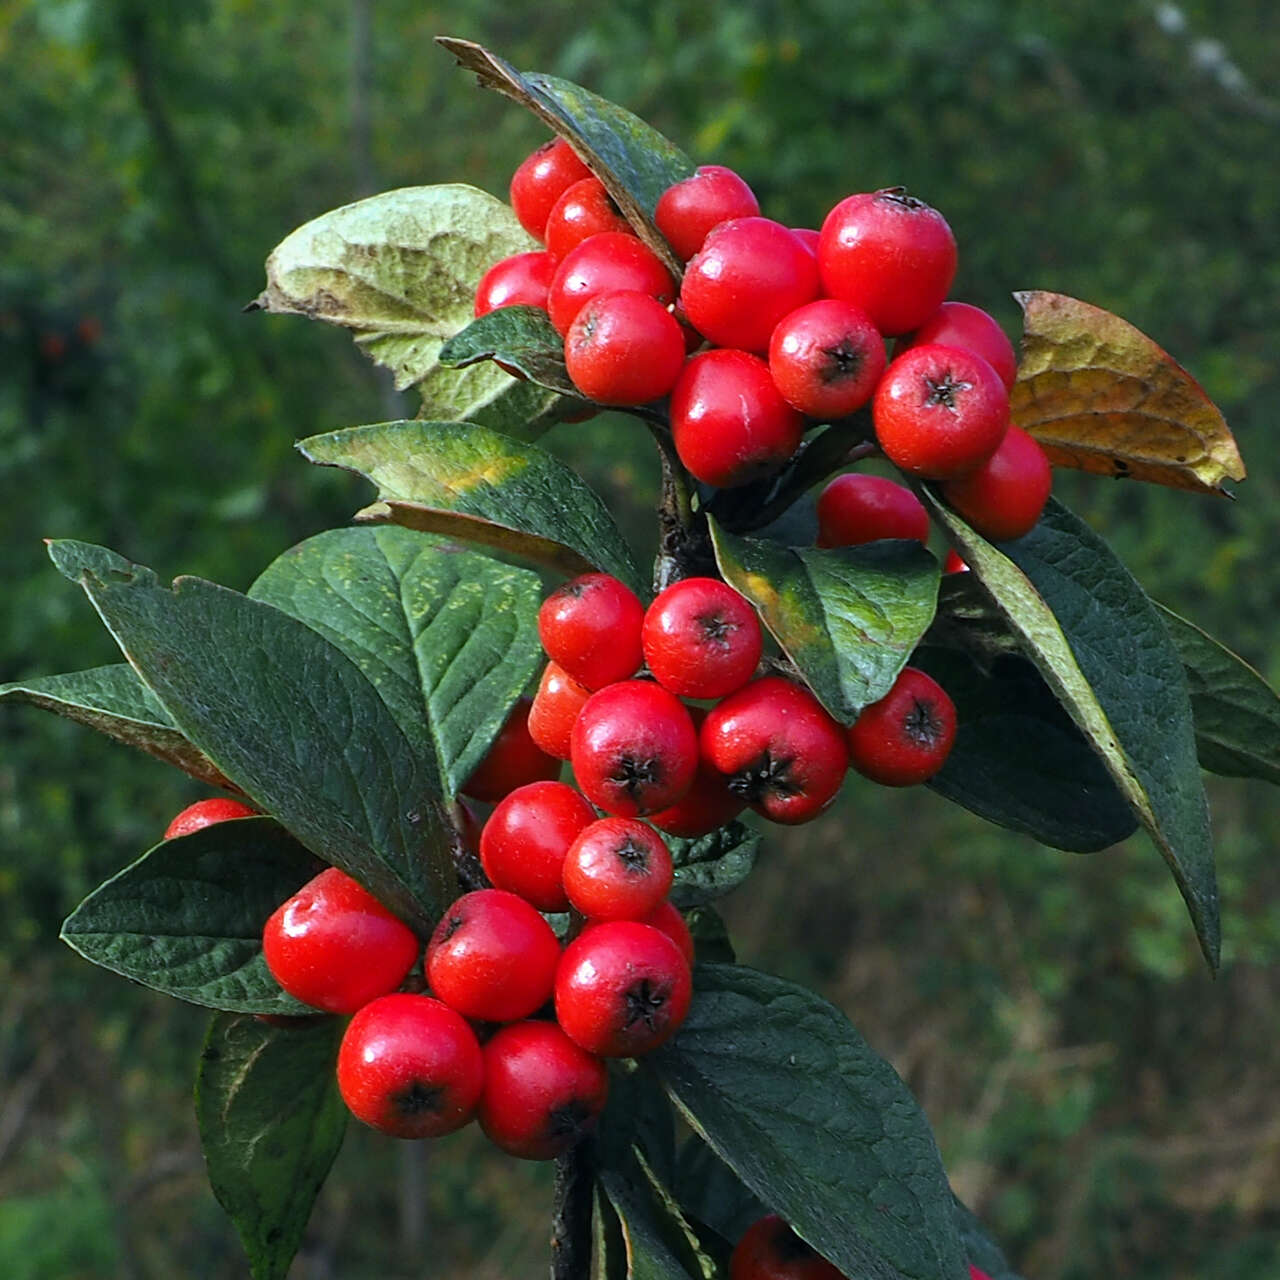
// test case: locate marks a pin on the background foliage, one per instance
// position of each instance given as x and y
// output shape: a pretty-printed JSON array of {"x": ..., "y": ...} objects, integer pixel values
[{"x": 1106, "y": 1106}]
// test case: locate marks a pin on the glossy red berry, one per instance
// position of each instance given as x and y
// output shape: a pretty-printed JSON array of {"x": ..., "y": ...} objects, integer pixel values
[
  {"x": 542, "y": 1093},
  {"x": 590, "y": 627},
  {"x": 611, "y": 262},
  {"x": 904, "y": 738},
  {"x": 624, "y": 348},
  {"x": 1003, "y": 498},
  {"x": 826, "y": 358},
  {"x": 707, "y": 805},
  {"x": 334, "y": 946},
  {"x": 857, "y": 508},
  {"x": 953, "y": 563},
  {"x": 617, "y": 869},
  {"x": 622, "y": 989},
  {"x": 555, "y": 708},
  {"x": 976, "y": 1273},
  {"x": 521, "y": 280},
  {"x": 205, "y": 813},
  {"x": 584, "y": 210},
  {"x": 890, "y": 254},
  {"x": 410, "y": 1067},
  {"x": 960, "y": 324},
  {"x": 729, "y": 422},
  {"x": 513, "y": 760},
  {"x": 634, "y": 748},
  {"x": 492, "y": 957},
  {"x": 783, "y": 754},
  {"x": 689, "y": 210},
  {"x": 666, "y": 919},
  {"x": 701, "y": 638},
  {"x": 523, "y": 845},
  {"x": 541, "y": 180},
  {"x": 939, "y": 411},
  {"x": 749, "y": 273},
  {"x": 770, "y": 1250},
  {"x": 809, "y": 237}
]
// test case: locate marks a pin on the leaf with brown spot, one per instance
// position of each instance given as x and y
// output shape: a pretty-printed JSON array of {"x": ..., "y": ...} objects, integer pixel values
[{"x": 1100, "y": 396}]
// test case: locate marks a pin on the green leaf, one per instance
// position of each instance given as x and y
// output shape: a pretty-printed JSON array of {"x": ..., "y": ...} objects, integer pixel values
[
  {"x": 447, "y": 637},
  {"x": 490, "y": 397},
  {"x": 634, "y": 161},
  {"x": 523, "y": 338},
  {"x": 712, "y": 1193},
  {"x": 271, "y": 1123},
  {"x": 294, "y": 724},
  {"x": 980, "y": 1249},
  {"x": 711, "y": 941},
  {"x": 186, "y": 918},
  {"x": 649, "y": 1255},
  {"x": 708, "y": 867},
  {"x": 818, "y": 1126},
  {"x": 1237, "y": 713},
  {"x": 114, "y": 701},
  {"x": 471, "y": 483},
  {"x": 1104, "y": 651},
  {"x": 608, "y": 1249},
  {"x": 848, "y": 618}
]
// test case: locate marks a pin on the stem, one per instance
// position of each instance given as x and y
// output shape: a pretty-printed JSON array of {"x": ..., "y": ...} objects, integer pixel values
[
  {"x": 684, "y": 547},
  {"x": 571, "y": 1220},
  {"x": 465, "y": 863}
]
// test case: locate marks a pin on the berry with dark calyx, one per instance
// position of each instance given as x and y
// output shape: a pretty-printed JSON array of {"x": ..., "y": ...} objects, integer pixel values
[
  {"x": 770, "y": 1250},
  {"x": 617, "y": 869},
  {"x": 492, "y": 957},
  {"x": 634, "y": 748},
  {"x": 688, "y": 211},
  {"x": 542, "y": 1093},
  {"x": 729, "y": 422},
  {"x": 826, "y": 358},
  {"x": 783, "y": 754},
  {"x": 555, "y": 708},
  {"x": 701, "y": 638},
  {"x": 1003, "y": 498},
  {"x": 204, "y": 813},
  {"x": 890, "y": 254},
  {"x": 707, "y": 805},
  {"x": 857, "y": 508},
  {"x": 523, "y": 845},
  {"x": 624, "y": 348},
  {"x": 410, "y": 1067},
  {"x": 334, "y": 946},
  {"x": 610, "y": 262},
  {"x": 521, "y": 280},
  {"x": 939, "y": 411},
  {"x": 960, "y": 324},
  {"x": 749, "y": 273},
  {"x": 666, "y": 919},
  {"x": 513, "y": 760},
  {"x": 590, "y": 627},
  {"x": 904, "y": 738},
  {"x": 541, "y": 180},
  {"x": 584, "y": 210},
  {"x": 622, "y": 989}
]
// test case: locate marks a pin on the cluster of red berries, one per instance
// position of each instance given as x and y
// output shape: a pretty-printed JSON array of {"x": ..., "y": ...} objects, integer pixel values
[{"x": 774, "y": 328}]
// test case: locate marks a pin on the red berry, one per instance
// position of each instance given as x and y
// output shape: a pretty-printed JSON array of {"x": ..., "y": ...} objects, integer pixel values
[
  {"x": 1003, "y": 498},
  {"x": 729, "y": 422},
  {"x": 706, "y": 806},
  {"x": 541, "y": 180},
  {"x": 205, "y": 813},
  {"x": 513, "y": 760},
  {"x": 410, "y": 1067},
  {"x": 808, "y": 237},
  {"x": 334, "y": 946},
  {"x": 555, "y": 708},
  {"x": 889, "y": 253},
  {"x": 584, "y": 210},
  {"x": 749, "y": 273},
  {"x": 904, "y": 738},
  {"x": 624, "y": 348},
  {"x": 976, "y": 1273},
  {"x": 770, "y": 1250},
  {"x": 622, "y": 989},
  {"x": 590, "y": 627},
  {"x": 607, "y": 263},
  {"x": 954, "y": 564},
  {"x": 781, "y": 750},
  {"x": 542, "y": 1093},
  {"x": 522, "y": 846},
  {"x": 826, "y": 358},
  {"x": 666, "y": 919},
  {"x": 959, "y": 324},
  {"x": 617, "y": 869},
  {"x": 857, "y": 508},
  {"x": 521, "y": 280},
  {"x": 701, "y": 639},
  {"x": 940, "y": 411},
  {"x": 634, "y": 748},
  {"x": 688, "y": 211}
]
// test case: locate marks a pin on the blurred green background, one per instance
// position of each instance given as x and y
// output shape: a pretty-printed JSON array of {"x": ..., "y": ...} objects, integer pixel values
[{"x": 1106, "y": 1107}]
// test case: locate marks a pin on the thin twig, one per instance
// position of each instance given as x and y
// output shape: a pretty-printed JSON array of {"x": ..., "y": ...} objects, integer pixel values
[{"x": 571, "y": 1220}]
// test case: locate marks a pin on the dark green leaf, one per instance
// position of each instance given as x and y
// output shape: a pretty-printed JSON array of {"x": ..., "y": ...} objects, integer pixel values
[
  {"x": 815, "y": 1124},
  {"x": 713, "y": 1193},
  {"x": 708, "y": 867},
  {"x": 1104, "y": 651},
  {"x": 649, "y": 1255},
  {"x": 980, "y": 1249},
  {"x": 1237, "y": 713},
  {"x": 608, "y": 1248},
  {"x": 187, "y": 917},
  {"x": 471, "y": 483},
  {"x": 522, "y": 337},
  {"x": 638, "y": 1114},
  {"x": 447, "y": 637},
  {"x": 848, "y": 618},
  {"x": 271, "y": 1123},
  {"x": 711, "y": 941}
]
